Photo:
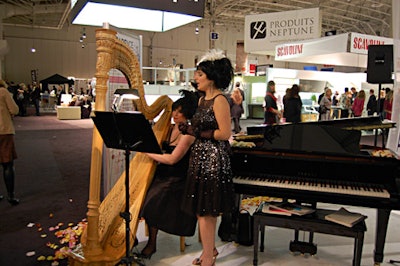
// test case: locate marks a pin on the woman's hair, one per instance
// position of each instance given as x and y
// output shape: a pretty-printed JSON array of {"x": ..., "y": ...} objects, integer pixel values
[
  {"x": 217, "y": 67},
  {"x": 187, "y": 103},
  {"x": 294, "y": 91},
  {"x": 361, "y": 94},
  {"x": 270, "y": 84}
]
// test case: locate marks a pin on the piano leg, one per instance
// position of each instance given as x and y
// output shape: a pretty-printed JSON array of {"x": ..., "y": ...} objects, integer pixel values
[{"x": 381, "y": 229}]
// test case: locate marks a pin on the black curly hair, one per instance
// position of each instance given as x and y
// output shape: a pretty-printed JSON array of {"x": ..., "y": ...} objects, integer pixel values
[
  {"x": 219, "y": 70},
  {"x": 187, "y": 103}
]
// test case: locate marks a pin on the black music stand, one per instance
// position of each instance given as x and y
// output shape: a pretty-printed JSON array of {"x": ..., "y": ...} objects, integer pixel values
[{"x": 128, "y": 131}]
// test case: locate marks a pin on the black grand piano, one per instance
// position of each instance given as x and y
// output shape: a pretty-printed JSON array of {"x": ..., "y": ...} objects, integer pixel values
[{"x": 320, "y": 162}]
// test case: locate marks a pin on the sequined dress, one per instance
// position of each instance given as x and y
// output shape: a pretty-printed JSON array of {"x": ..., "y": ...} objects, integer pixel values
[{"x": 209, "y": 187}]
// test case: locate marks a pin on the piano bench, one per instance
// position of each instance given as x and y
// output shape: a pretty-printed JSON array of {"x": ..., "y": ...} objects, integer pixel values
[{"x": 313, "y": 223}]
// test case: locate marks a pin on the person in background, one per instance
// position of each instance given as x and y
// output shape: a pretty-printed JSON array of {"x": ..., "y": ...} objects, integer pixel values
[
  {"x": 209, "y": 188},
  {"x": 236, "y": 109},
  {"x": 353, "y": 91},
  {"x": 271, "y": 113},
  {"x": 22, "y": 99},
  {"x": 381, "y": 102},
  {"x": 345, "y": 103},
  {"x": 372, "y": 103},
  {"x": 36, "y": 97},
  {"x": 358, "y": 104},
  {"x": 161, "y": 208},
  {"x": 237, "y": 85},
  {"x": 387, "y": 105},
  {"x": 319, "y": 100},
  {"x": 285, "y": 97},
  {"x": 335, "y": 98},
  {"x": 335, "y": 103},
  {"x": 293, "y": 105},
  {"x": 325, "y": 105},
  {"x": 8, "y": 108}
]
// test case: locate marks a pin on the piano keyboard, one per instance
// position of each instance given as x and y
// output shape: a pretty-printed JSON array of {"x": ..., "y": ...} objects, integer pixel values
[{"x": 308, "y": 184}]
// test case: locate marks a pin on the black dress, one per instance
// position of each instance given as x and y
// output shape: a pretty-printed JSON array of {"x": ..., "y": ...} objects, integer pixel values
[
  {"x": 209, "y": 187},
  {"x": 161, "y": 208}
]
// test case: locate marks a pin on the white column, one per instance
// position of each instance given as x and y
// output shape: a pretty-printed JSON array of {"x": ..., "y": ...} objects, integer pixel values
[{"x": 394, "y": 137}]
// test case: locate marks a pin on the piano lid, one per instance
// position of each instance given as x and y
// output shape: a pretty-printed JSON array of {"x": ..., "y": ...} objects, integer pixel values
[
  {"x": 356, "y": 123},
  {"x": 306, "y": 137}
]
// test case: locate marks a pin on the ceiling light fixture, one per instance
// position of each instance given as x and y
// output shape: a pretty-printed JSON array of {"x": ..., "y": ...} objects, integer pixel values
[{"x": 149, "y": 15}]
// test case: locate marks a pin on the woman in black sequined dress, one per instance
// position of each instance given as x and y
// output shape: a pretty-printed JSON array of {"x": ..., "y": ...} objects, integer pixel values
[{"x": 209, "y": 187}]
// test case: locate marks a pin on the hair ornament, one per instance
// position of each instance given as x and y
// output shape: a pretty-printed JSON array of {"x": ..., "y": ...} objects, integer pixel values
[{"x": 212, "y": 55}]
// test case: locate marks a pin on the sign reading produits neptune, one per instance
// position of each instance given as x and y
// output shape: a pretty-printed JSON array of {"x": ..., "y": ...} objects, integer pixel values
[{"x": 264, "y": 31}]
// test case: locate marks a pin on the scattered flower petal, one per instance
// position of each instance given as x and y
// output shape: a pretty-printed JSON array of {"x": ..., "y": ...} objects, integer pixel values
[
  {"x": 30, "y": 225},
  {"x": 40, "y": 258},
  {"x": 43, "y": 235},
  {"x": 30, "y": 253}
]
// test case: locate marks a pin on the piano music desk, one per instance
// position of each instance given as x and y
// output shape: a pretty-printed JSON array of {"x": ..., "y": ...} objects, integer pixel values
[{"x": 313, "y": 223}]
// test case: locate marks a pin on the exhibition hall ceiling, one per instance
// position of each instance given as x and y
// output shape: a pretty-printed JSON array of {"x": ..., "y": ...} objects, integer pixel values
[{"x": 371, "y": 17}]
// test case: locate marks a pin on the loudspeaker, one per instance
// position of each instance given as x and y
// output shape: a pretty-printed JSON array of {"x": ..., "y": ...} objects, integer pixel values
[{"x": 380, "y": 64}]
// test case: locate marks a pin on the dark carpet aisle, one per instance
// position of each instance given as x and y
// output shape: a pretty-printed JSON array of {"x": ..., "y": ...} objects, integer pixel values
[{"x": 52, "y": 182}]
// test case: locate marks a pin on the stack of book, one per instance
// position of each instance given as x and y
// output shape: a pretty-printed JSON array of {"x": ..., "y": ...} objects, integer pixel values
[
  {"x": 345, "y": 217},
  {"x": 286, "y": 208}
]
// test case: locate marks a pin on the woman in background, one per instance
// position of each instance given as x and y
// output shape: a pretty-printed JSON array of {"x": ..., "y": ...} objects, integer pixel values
[
  {"x": 8, "y": 108},
  {"x": 325, "y": 105},
  {"x": 236, "y": 109},
  {"x": 358, "y": 104},
  {"x": 293, "y": 105},
  {"x": 387, "y": 105}
]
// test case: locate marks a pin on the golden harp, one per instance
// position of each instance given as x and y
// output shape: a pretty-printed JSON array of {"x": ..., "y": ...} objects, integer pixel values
[{"x": 103, "y": 242}]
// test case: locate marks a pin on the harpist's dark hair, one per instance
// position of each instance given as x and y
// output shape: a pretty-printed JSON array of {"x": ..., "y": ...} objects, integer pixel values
[
  {"x": 187, "y": 103},
  {"x": 217, "y": 68}
]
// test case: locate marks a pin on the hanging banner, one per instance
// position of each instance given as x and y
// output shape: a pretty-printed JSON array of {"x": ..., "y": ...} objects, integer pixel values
[
  {"x": 264, "y": 31},
  {"x": 321, "y": 46},
  {"x": 359, "y": 42}
]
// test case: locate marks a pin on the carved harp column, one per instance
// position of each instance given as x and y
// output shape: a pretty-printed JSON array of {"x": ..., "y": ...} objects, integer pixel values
[{"x": 103, "y": 241}]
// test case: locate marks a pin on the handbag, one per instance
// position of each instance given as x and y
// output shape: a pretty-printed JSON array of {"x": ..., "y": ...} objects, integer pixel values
[{"x": 245, "y": 228}]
